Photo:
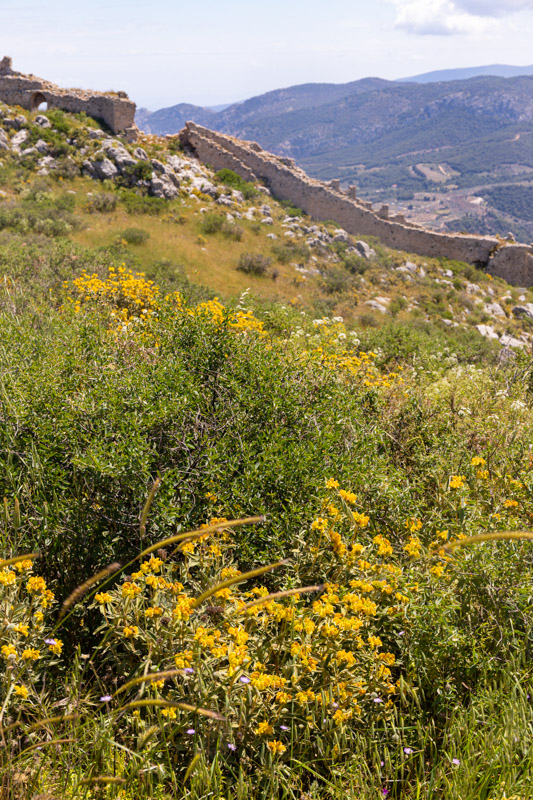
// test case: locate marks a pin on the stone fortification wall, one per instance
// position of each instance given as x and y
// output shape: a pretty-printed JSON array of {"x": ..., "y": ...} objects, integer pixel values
[
  {"x": 27, "y": 91},
  {"x": 329, "y": 201}
]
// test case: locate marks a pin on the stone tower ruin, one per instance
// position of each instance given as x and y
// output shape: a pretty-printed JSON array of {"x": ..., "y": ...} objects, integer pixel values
[{"x": 116, "y": 110}]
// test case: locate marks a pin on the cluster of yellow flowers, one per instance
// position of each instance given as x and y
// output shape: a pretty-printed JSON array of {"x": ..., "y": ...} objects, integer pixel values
[
  {"x": 130, "y": 295},
  {"x": 278, "y": 660},
  {"x": 237, "y": 320},
  {"x": 133, "y": 298},
  {"x": 25, "y": 599}
]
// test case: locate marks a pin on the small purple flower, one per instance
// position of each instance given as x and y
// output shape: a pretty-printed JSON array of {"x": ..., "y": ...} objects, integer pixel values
[
  {"x": 188, "y": 670},
  {"x": 50, "y": 641},
  {"x": 232, "y": 747},
  {"x": 382, "y": 763},
  {"x": 244, "y": 679},
  {"x": 407, "y": 751},
  {"x": 190, "y": 731},
  {"x": 456, "y": 761},
  {"x": 378, "y": 700},
  {"x": 284, "y": 728},
  {"x": 334, "y": 705},
  {"x": 384, "y": 792},
  {"x": 106, "y": 698}
]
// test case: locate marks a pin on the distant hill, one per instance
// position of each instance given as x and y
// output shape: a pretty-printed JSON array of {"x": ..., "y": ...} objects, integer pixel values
[
  {"x": 498, "y": 70},
  {"x": 400, "y": 142}
]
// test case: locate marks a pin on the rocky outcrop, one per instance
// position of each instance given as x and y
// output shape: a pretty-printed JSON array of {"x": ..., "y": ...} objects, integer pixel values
[
  {"x": 514, "y": 262},
  {"x": 27, "y": 91}
]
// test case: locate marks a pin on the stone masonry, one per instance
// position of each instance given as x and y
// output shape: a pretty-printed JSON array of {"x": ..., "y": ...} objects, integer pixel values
[
  {"x": 513, "y": 262},
  {"x": 27, "y": 91}
]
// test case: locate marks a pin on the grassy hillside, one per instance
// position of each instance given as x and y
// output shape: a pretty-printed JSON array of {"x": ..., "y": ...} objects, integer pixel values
[
  {"x": 276, "y": 493},
  {"x": 383, "y": 136}
]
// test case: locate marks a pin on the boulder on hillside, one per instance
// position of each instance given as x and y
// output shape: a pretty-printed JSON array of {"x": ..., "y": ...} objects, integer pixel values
[
  {"x": 42, "y": 121},
  {"x": 525, "y": 310},
  {"x": 364, "y": 250}
]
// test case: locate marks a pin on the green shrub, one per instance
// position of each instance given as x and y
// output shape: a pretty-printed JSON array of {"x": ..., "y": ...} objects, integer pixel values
[
  {"x": 102, "y": 202},
  {"x": 230, "y": 178},
  {"x": 136, "y": 203},
  {"x": 285, "y": 252},
  {"x": 254, "y": 263},
  {"x": 134, "y": 235},
  {"x": 212, "y": 223}
]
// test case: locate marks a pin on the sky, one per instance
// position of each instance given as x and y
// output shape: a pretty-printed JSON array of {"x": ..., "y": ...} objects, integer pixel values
[{"x": 210, "y": 52}]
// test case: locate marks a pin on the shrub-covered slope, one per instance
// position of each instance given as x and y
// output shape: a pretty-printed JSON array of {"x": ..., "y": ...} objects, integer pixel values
[{"x": 392, "y": 658}]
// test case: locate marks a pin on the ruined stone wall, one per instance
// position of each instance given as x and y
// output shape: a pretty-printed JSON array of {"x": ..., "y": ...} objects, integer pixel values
[
  {"x": 27, "y": 91},
  {"x": 328, "y": 201}
]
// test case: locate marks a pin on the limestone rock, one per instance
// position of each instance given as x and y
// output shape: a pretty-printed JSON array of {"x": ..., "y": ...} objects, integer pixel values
[
  {"x": 19, "y": 138},
  {"x": 163, "y": 187},
  {"x": 509, "y": 341},
  {"x": 341, "y": 236},
  {"x": 494, "y": 309},
  {"x": 525, "y": 310},
  {"x": 42, "y": 121},
  {"x": 45, "y": 165},
  {"x": 487, "y": 331},
  {"x": 140, "y": 153},
  {"x": 4, "y": 141},
  {"x": 376, "y": 306},
  {"x": 104, "y": 169}
]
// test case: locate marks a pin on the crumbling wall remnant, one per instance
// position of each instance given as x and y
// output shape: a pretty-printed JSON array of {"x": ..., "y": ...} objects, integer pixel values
[
  {"x": 29, "y": 92},
  {"x": 514, "y": 262}
]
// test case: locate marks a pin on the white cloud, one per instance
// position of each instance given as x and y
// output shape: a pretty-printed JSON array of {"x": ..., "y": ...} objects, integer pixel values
[
  {"x": 447, "y": 17},
  {"x": 493, "y": 8}
]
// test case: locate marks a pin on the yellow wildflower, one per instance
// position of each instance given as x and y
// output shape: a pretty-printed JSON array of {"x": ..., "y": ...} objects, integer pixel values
[
  {"x": 130, "y": 589},
  {"x": 36, "y": 584},
  {"x": 21, "y": 691},
  {"x": 103, "y": 597},
  {"x": 30, "y": 654},
  {"x": 130, "y": 631},
  {"x": 457, "y": 481},
  {"x": 348, "y": 497},
  {"x": 153, "y": 611},
  {"x": 264, "y": 729},
  {"x": 9, "y": 650},
  {"x": 276, "y": 747}
]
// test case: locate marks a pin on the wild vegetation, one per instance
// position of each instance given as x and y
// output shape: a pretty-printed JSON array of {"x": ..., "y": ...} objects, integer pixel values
[{"x": 252, "y": 548}]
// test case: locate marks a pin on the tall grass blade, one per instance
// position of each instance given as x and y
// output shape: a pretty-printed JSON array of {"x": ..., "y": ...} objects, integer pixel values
[
  {"x": 488, "y": 537},
  {"x": 277, "y": 595},
  {"x": 244, "y": 576},
  {"x": 83, "y": 588},
  {"x": 16, "y": 559},
  {"x": 146, "y": 509},
  {"x": 204, "y": 712},
  {"x": 152, "y": 676}
]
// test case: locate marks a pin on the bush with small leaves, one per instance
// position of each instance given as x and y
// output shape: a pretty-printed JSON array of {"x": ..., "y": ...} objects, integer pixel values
[
  {"x": 102, "y": 202},
  {"x": 254, "y": 263},
  {"x": 134, "y": 235}
]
